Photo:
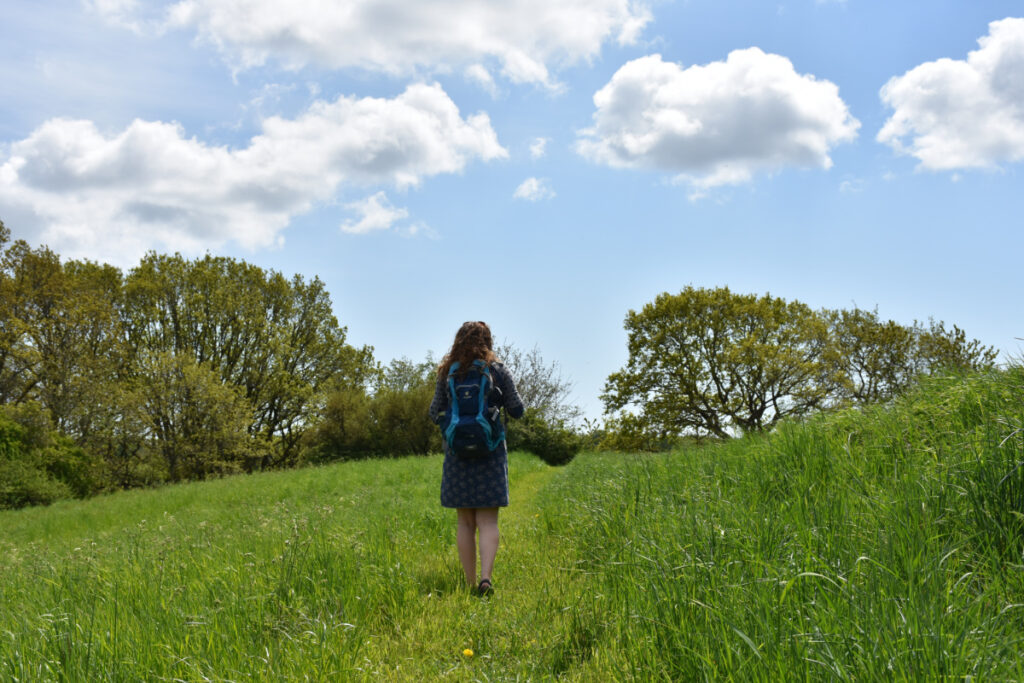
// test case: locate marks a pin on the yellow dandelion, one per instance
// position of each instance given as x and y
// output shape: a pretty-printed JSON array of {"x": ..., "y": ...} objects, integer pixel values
[{"x": 467, "y": 652}]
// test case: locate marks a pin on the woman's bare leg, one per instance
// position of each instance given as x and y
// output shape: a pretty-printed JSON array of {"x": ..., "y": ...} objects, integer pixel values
[
  {"x": 487, "y": 523},
  {"x": 465, "y": 539}
]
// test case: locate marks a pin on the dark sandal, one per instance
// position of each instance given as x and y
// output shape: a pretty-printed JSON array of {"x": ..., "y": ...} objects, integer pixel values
[{"x": 485, "y": 587}]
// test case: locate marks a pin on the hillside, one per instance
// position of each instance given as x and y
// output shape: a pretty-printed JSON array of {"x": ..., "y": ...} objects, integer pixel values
[{"x": 869, "y": 544}]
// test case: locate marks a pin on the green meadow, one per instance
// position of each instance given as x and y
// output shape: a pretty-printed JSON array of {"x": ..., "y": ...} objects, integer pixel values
[{"x": 878, "y": 543}]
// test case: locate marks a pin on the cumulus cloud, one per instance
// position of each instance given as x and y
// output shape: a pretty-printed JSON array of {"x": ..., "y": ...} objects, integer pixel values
[
  {"x": 377, "y": 214},
  {"x": 719, "y": 123},
  {"x": 538, "y": 147},
  {"x": 954, "y": 114},
  {"x": 525, "y": 38},
  {"x": 534, "y": 190},
  {"x": 112, "y": 196}
]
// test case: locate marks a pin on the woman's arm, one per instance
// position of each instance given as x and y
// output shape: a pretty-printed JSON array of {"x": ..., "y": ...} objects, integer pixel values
[
  {"x": 439, "y": 406},
  {"x": 510, "y": 399}
]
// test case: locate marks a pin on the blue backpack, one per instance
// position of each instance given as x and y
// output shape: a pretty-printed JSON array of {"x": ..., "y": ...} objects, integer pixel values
[{"x": 473, "y": 429}]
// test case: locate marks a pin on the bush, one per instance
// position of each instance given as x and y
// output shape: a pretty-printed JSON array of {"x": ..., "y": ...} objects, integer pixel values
[
  {"x": 552, "y": 442},
  {"x": 629, "y": 433},
  {"x": 38, "y": 465}
]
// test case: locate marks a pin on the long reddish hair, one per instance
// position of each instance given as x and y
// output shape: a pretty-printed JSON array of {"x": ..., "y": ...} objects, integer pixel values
[{"x": 473, "y": 341}]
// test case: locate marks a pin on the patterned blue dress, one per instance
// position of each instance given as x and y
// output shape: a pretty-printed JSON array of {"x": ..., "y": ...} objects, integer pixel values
[{"x": 477, "y": 482}]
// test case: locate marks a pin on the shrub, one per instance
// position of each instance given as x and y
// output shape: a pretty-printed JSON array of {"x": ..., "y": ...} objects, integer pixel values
[
  {"x": 552, "y": 442},
  {"x": 38, "y": 465}
]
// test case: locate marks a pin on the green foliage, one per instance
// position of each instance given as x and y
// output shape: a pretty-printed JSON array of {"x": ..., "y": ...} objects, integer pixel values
[
  {"x": 398, "y": 409},
  {"x": 876, "y": 360},
  {"x": 401, "y": 425},
  {"x": 37, "y": 464},
  {"x": 343, "y": 429},
  {"x": 60, "y": 335},
  {"x": 197, "y": 424},
  {"x": 939, "y": 349},
  {"x": 274, "y": 340},
  {"x": 181, "y": 369},
  {"x": 711, "y": 362},
  {"x": 627, "y": 432},
  {"x": 390, "y": 421},
  {"x": 551, "y": 441}
]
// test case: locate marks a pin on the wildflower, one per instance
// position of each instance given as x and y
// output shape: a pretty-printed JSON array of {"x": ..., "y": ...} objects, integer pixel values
[{"x": 467, "y": 652}]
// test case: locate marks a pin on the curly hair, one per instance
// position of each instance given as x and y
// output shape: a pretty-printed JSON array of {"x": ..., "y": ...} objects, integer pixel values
[{"x": 473, "y": 341}]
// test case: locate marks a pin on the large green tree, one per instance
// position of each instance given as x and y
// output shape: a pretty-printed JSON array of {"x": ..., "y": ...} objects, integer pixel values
[
  {"x": 274, "y": 339},
  {"x": 60, "y": 335},
  {"x": 711, "y": 361}
]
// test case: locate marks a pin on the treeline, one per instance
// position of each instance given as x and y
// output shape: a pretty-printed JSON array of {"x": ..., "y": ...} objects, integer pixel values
[
  {"x": 713, "y": 363},
  {"x": 175, "y": 370},
  {"x": 184, "y": 369}
]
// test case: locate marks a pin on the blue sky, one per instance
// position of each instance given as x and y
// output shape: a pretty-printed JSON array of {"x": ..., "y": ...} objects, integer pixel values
[{"x": 542, "y": 165}]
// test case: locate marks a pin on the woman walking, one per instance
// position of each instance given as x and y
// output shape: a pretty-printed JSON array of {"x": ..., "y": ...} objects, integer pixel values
[{"x": 475, "y": 486}]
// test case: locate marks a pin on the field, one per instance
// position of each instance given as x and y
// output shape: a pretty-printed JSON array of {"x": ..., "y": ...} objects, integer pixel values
[{"x": 871, "y": 544}]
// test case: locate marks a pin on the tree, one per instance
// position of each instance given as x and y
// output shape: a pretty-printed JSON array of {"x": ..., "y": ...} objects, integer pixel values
[
  {"x": 386, "y": 417},
  {"x": 545, "y": 392},
  {"x": 60, "y": 332},
  {"x": 874, "y": 360},
  {"x": 398, "y": 409},
  {"x": 708, "y": 360},
  {"x": 939, "y": 349},
  {"x": 276, "y": 340},
  {"x": 196, "y": 422},
  {"x": 16, "y": 356}
]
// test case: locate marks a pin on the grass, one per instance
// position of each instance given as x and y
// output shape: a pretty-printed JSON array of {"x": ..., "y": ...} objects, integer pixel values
[{"x": 872, "y": 544}]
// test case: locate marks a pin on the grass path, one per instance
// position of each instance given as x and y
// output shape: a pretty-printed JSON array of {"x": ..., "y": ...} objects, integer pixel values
[
  {"x": 339, "y": 573},
  {"x": 508, "y": 632}
]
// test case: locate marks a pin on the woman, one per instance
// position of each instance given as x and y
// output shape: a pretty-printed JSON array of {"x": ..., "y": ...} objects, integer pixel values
[{"x": 477, "y": 486}]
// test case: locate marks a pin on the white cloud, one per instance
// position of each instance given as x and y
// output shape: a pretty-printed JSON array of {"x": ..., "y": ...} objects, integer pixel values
[
  {"x": 955, "y": 114},
  {"x": 479, "y": 74},
  {"x": 123, "y": 13},
  {"x": 852, "y": 186},
  {"x": 417, "y": 229},
  {"x": 525, "y": 38},
  {"x": 113, "y": 196},
  {"x": 716, "y": 124},
  {"x": 538, "y": 147},
  {"x": 534, "y": 190},
  {"x": 377, "y": 214}
]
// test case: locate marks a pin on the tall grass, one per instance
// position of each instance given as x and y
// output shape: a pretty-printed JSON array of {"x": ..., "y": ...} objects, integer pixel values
[{"x": 879, "y": 543}]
